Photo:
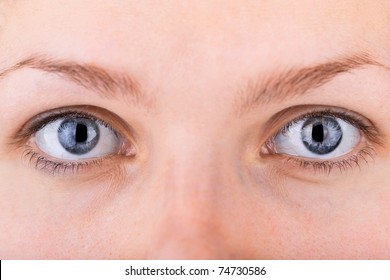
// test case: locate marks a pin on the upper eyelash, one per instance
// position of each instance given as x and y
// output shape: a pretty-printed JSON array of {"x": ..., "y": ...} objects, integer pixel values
[
  {"x": 42, "y": 121},
  {"x": 369, "y": 130}
]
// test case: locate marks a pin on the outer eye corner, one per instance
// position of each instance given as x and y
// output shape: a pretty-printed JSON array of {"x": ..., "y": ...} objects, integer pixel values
[{"x": 127, "y": 148}]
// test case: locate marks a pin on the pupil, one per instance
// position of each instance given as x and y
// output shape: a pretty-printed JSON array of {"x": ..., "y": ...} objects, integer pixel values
[
  {"x": 321, "y": 135},
  {"x": 318, "y": 133},
  {"x": 81, "y": 133},
  {"x": 78, "y": 136}
]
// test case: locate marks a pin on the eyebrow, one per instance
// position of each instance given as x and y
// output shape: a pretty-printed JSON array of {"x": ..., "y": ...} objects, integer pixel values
[
  {"x": 104, "y": 82},
  {"x": 296, "y": 82},
  {"x": 262, "y": 91}
]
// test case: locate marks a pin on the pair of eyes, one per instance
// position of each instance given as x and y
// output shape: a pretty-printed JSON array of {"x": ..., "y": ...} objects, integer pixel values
[{"x": 75, "y": 137}]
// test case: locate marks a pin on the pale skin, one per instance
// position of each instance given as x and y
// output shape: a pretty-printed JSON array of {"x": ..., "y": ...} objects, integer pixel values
[{"x": 199, "y": 185}]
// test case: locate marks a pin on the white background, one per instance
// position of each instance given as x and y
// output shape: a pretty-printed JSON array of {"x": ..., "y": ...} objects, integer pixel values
[{"x": 116, "y": 269}]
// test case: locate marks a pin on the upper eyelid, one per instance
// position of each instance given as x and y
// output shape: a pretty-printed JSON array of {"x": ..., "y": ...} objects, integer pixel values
[
  {"x": 326, "y": 113},
  {"x": 41, "y": 120}
]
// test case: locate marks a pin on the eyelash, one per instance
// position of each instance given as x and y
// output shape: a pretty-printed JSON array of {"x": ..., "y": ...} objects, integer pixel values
[
  {"x": 46, "y": 164},
  {"x": 342, "y": 165},
  {"x": 57, "y": 167},
  {"x": 369, "y": 131}
]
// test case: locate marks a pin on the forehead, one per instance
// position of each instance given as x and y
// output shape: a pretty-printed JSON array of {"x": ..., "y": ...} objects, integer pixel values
[{"x": 179, "y": 38}]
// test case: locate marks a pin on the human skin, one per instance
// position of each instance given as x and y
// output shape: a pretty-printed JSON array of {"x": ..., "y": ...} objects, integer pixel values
[{"x": 199, "y": 185}]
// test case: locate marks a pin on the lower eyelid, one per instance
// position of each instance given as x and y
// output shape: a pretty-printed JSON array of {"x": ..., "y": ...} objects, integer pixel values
[
  {"x": 365, "y": 155},
  {"x": 55, "y": 167}
]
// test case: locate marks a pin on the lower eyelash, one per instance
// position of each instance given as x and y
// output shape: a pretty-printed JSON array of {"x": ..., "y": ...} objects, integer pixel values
[
  {"x": 56, "y": 168},
  {"x": 365, "y": 154}
]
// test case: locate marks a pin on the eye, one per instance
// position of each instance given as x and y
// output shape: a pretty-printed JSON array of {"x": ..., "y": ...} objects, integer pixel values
[
  {"x": 323, "y": 138},
  {"x": 75, "y": 137},
  {"x": 319, "y": 137}
]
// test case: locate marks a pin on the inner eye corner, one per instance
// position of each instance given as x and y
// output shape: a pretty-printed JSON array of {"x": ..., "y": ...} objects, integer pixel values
[{"x": 267, "y": 147}]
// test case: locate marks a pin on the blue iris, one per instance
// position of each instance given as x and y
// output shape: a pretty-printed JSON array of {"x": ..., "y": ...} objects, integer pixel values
[
  {"x": 78, "y": 135},
  {"x": 321, "y": 135}
]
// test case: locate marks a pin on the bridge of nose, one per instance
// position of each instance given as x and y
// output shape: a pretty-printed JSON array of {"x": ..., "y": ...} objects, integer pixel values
[{"x": 188, "y": 177}]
